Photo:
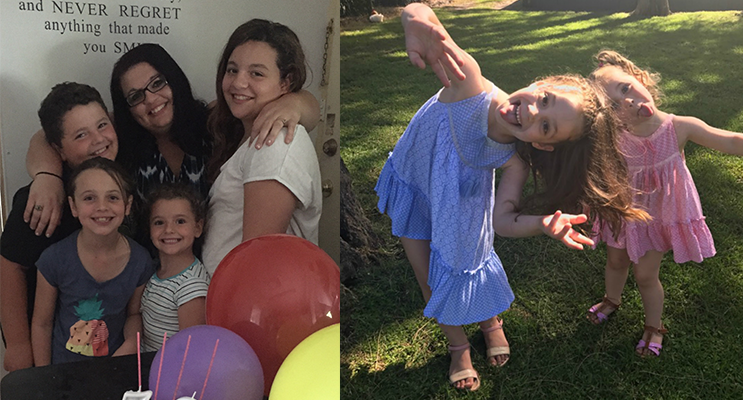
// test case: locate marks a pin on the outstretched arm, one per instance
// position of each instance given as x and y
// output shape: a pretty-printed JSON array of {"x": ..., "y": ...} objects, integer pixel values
[
  {"x": 427, "y": 42},
  {"x": 287, "y": 111},
  {"x": 508, "y": 223},
  {"x": 47, "y": 191},
  {"x": 696, "y": 130}
]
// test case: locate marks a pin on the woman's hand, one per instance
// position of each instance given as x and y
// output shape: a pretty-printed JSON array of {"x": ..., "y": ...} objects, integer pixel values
[
  {"x": 427, "y": 42},
  {"x": 45, "y": 202},
  {"x": 560, "y": 226},
  {"x": 280, "y": 113}
]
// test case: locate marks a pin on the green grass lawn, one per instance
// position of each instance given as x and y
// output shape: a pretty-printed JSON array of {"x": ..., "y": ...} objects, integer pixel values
[{"x": 390, "y": 351}]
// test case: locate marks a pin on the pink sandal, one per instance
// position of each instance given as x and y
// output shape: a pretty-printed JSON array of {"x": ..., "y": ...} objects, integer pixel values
[
  {"x": 497, "y": 350},
  {"x": 651, "y": 346},
  {"x": 597, "y": 311},
  {"x": 465, "y": 373}
]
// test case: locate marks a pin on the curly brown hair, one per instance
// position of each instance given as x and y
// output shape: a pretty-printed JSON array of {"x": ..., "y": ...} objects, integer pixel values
[
  {"x": 587, "y": 174},
  {"x": 610, "y": 58}
]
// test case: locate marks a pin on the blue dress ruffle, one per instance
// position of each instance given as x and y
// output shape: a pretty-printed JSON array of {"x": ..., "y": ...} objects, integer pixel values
[{"x": 438, "y": 185}]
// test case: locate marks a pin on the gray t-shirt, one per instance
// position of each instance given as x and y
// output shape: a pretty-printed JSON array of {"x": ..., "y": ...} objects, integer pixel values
[{"x": 89, "y": 316}]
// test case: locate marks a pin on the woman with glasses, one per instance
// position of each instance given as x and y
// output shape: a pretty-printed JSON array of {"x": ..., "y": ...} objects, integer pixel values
[
  {"x": 162, "y": 131},
  {"x": 162, "y": 127}
]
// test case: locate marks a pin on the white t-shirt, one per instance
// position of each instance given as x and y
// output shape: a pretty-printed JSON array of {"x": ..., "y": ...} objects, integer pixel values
[{"x": 294, "y": 165}]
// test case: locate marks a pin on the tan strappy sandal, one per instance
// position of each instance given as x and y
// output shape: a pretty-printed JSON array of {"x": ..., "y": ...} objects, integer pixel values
[
  {"x": 460, "y": 375},
  {"x": 497, "y": 350}
]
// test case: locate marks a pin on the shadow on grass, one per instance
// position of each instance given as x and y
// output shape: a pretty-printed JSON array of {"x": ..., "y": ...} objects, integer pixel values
[{"x": 588, "y": 362}]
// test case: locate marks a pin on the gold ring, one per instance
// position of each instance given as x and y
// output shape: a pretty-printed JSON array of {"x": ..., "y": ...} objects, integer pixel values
[{"x": 38, "y": 207}]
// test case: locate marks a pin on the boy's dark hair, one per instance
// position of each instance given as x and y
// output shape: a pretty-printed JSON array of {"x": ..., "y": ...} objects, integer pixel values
[
  {"x": 112, "y": 168},
  {"x": 172, "y": 191},
  {"x": 62, "y": 98}
]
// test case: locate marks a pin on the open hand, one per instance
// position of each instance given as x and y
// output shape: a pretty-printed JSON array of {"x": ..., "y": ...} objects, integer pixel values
[
  {"x": 280, "y": 113},
  {"x": 44, "y": 206},
  {"x": 428, "y": 43},
  {"x": 560, "y": 226}
]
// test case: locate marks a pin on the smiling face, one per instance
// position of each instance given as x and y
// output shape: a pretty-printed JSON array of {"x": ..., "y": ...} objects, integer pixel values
[
  {"x": 155, "y": 113},
  {"x": 632, "y": 101},
  {"x": 252, "y": 79},
  {"x": 173, "y": 226},
  {"x": 87, "y": 133},
  {"x": 98, "y": 202},
  {"x": 542, "y": 114}
]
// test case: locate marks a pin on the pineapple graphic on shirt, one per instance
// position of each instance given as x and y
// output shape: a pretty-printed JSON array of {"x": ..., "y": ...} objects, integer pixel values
[{"x": 89, "y": 335}]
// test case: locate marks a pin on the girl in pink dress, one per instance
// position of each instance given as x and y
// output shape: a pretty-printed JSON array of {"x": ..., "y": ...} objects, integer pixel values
[{"x": 653, "y": 145}]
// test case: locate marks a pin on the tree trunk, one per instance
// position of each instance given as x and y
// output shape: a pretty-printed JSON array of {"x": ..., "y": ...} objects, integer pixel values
[
  {"x": 359, "y": 243},
  {"x": 652, "y": 8}
]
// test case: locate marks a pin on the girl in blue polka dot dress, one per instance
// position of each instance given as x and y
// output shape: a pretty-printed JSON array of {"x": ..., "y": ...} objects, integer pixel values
[{"x": 438, "y": 186}]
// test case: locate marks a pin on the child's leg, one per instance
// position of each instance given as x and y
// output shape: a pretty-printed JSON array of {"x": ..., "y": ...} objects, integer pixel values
[
  {"x": 651, "y": 290},
  {"x": 617, "y": 269},
  {"x": 492, "y": 330},
  {"x": 615, "y": 277},
  {"x": 460, "y": 359},
  {"x": 418, "y": 253}
]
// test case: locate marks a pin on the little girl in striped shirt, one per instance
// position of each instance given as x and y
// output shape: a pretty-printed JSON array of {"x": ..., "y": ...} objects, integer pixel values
[{"x": 175, "y": 296}]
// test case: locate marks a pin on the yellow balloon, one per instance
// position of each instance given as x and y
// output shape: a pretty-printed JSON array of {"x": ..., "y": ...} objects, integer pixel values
[{"x": 312, "y": 370}]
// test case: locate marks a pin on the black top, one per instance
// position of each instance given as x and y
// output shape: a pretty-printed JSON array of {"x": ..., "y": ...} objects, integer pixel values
[{"x": 20, "y": 244}]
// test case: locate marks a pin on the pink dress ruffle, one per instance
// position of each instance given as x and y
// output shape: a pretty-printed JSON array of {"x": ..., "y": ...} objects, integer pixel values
[{"x": 665, "y": 189}]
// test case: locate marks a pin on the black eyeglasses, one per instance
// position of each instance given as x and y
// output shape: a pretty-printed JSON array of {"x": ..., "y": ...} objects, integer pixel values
[{"x": 153, "y": 86}]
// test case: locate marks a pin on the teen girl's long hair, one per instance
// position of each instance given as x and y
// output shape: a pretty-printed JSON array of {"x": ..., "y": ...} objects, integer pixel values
[{"x": 226, "y": 130}]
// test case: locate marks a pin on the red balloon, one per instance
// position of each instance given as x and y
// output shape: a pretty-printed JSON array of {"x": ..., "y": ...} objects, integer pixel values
[{"x": 274, "y": 291}]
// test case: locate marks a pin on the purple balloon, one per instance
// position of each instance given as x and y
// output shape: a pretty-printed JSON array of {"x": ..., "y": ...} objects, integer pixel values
[{"x": 235, "y": 373}]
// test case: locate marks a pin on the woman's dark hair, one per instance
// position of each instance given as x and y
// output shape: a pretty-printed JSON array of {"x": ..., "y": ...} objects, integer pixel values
[
  {"x": 588, "y": 174},
  {"x": 189, "y": 129},
  {"x": 226, "y": 130}
]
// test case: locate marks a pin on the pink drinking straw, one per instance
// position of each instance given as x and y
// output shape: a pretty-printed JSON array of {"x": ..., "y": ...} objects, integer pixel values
[
  {"x": 139, "y": 364},
  {"x": 183, "y": 364},
  {"x": 208, "y": 371},
  {"x": 160, "y": 368}
]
